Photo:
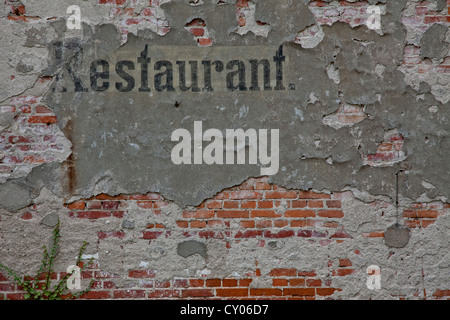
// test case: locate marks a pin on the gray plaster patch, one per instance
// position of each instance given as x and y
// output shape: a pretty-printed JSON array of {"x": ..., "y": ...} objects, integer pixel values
[
  {"x": 50, "y": 220},
  {"x": 396, "y": 236},
  {"x": 15, "y": 195},
  {"x": 433, "y": 44},
  {"x": 190, "y": 247},
  {"x": 128, "y": 224}
]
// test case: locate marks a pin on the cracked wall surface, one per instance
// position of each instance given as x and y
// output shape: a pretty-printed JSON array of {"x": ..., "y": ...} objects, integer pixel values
[{"x": 359, "y": 91}]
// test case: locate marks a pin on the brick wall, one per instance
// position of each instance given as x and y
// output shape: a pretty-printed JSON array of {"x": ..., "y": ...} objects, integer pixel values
[{"x": 255, "y": 210}]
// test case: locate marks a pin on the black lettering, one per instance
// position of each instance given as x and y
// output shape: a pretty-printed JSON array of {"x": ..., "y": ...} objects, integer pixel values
[
  {"x": 278, "y": 59},
  {"x": 144, "y": 60},
  {"x": 59, "y": 57},
  {"x": 240, "y": 71},
  {"x": 127, "y": 77},
  {"x": 207, "y": 76},
  {"x": 168, "y": 74},
  {"x": 194, "y": 76},
  {"x": 95, "y": 75},
  {"x": 219, "y": 65},
  {"x": 254, "y": 72}
]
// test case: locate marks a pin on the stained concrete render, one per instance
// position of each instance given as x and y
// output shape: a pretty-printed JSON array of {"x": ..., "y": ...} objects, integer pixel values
[{"x": 120, "y": 142}]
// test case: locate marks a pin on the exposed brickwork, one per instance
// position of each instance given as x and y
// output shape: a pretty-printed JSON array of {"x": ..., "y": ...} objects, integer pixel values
[
  {"x": 421, "y": 215},
  {"x": 353, "y": 13},
  {"x": 198, "y": 29},
  {"x": 256, "y": 210},
  {"x": 389, "y": 151},
  {"x": 284, "y": 284},
  {"x": 32, "y": 139}
]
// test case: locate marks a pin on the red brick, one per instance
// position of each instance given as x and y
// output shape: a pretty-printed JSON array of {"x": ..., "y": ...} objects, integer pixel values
[
  {"x": 181, "y": 283},
  {"x": 94, "y": 294},
  {"x": 340, "y": 234},
  {"x": 93, "y": 214},
  {"x": 197, "y": 293},
  {"x": 214, "y": 204},
  {"x": 298, "y": 291},
  {"x": 110, "y": 205},
  {"x": 298, "y": 203},
  {"x": 330, "y": 213},
  {"x": 315, "y": 204},
  {"x": 151, "y": 234},
  {"x": 213, "y": 282},
  {"x": 141, "y": 273},
  {"x": 427, "y": 214},
  {"x": 42, "y": 109},
  {"x": 77, "y": 205},
  {"x": 426, "y": 223},
  {"x": 373, "y": 234},
  {"x": 281, "y": 194},
  {"x": 298, "y": 223},
  {"x": 279, "y": 234},
  {"x": 313, "y": 282},
  {"x": 231, "y": 204},
  {"x": 307, "y": 274},
  {"x": 198, "y": 224},
  {"x": 304, "y": 233},
  {"x": 132, "y": 294},
  {"x": 235, "y": 292},
  {"x": 42, "y": 119},
  {"x": 197, "y": 32},
  {"x": 247, "y": 223},
  {"x": 3, "y": 277},
  {"x": 245, "y": 282},
  {"x": 345, "y": 263},
  {"x": 248, "y": 204},
  {"x": 313, "y": 195},
  {"x": 182, "y": 224},
  {"x": 282, "y": 272},
  {"x": 7, "y": 287},
  {"x": 441, "y": 293},
  {"x": 229, "y": 282},
  {"x": 279, "y": 282},
  {"x": 233, "y": 214},
  {"x": 245, "y": 194},
  {"x": 148, "y": 196},
  {"x": 163, "y": 293},
  {"x": 196, "y": 282},
  {"x": 343, "y": 272},
  {"x": 297, "y": 282},
  {"x": 145, "y": 204},
  {"x": 26, "y": 216},
  {"x": 326, "y": 291},
  {"x": 280, "y": 223},
  {"x": 249, "y": 234},
  {"x": 264, "y": 214},
  {"x": 263, "y": 186},
  {"x": 264, "y": 223},
  {"x": 267, "y": 292},
  {"x": 207, "y": 234},
  {"x": 242, "y": 3},
  {"x": 333, "y": 204},
  {"x": 265, "y": 204}
]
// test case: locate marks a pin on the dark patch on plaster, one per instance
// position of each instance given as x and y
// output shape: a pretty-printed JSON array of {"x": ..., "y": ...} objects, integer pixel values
[{"x": 433, "y": 44}]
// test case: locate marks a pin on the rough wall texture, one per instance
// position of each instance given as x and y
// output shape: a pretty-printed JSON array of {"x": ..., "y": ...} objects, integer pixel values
[{"x": 358, "y": 105}]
